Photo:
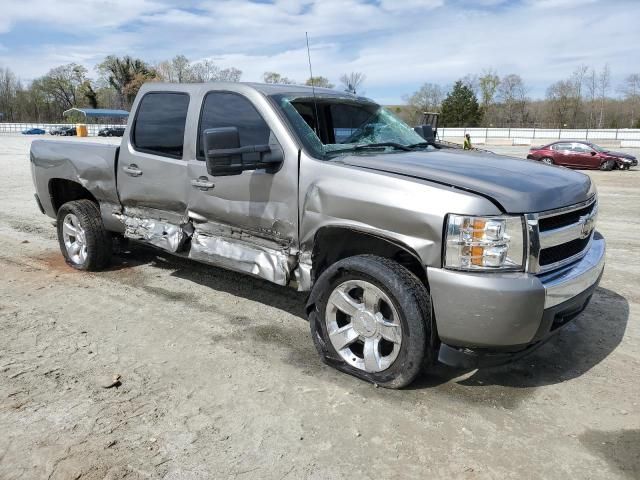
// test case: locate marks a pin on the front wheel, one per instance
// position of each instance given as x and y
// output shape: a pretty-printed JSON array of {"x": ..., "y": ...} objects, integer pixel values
[
  {"x": 371, "y": 318},
  {"x": 84, "y": 242},
  {"x": 607, "y": 165}
]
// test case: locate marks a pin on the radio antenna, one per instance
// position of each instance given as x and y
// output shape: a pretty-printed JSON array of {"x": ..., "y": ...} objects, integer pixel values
[{"x": 313, "y": 87}]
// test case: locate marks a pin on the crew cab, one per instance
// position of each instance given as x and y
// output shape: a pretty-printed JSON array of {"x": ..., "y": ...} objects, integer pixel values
[{"x": 412, "y": 251}]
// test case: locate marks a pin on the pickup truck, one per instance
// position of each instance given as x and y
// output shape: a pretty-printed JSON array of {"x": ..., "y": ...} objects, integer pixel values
[{"x": 412, "y": 252}]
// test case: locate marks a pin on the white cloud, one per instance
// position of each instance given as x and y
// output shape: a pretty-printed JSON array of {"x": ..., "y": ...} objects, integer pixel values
[{"x": 397, "y": 44}]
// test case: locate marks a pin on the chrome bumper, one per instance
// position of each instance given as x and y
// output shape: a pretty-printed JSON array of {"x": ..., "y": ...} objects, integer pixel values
[{"x": 568, "y": 282}]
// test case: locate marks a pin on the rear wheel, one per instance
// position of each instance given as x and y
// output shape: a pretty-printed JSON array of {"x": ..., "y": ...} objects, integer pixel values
[
  {"x": 84, "y": 242},
  {"x": 547, "y": 160},
  {"x": 607, "y": 165},
  {"x": 372, "y": 319}
]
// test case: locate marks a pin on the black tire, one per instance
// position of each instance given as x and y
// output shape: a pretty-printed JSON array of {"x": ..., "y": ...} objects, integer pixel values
[
  {"x": 97, "y": 239},
  {"x": 547, "y": 160},
  {"x": 607, "y": 165},
  {"x": 410, "y": 299}
]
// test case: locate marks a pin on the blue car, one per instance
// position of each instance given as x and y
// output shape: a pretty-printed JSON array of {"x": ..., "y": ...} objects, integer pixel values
[{"x": 33, "y": 131}]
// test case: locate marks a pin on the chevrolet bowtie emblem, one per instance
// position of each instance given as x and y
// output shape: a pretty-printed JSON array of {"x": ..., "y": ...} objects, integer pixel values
[{"x": 588, "y": 223}]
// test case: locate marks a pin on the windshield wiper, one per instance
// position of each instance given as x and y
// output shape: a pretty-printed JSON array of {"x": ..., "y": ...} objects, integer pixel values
[
  {"x": 423, "y": 144},
  {"x": 371, "y": 146},
  {"x": 397, "y": 146}
]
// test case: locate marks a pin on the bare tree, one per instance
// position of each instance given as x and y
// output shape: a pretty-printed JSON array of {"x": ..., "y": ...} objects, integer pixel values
[
  {"x": 488, "y": 84},
  {"x": 319, "y": 82},
  {"x": 352, "y": 81},
  {"x": 591, "y": 84},
  {"x": 275, "y": 77},
  {"x": 604, "y": 83},
  {"x": 578, "y": 78},
  {"x": 63, "y": 84},
  {"x": 176, "y": 70},
  {"x": 560, "y": 100},
  {"x": 427, "y": 98},
  {"x": 208, "y": 71},
  {"x": 512, "y": 93},
  {"x": 631, "y": 91}
]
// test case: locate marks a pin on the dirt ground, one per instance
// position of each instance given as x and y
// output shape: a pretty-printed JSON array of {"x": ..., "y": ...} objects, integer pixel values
[{"x": 219, "y": 378}]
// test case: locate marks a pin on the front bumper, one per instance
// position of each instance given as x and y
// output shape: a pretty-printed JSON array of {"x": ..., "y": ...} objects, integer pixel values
[{"x": 510, "y": 313}]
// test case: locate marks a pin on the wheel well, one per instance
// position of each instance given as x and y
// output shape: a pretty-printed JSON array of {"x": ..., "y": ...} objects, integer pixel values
[
  {"x": 62, "y": 191},
  {"x": 335, "y": 243}
]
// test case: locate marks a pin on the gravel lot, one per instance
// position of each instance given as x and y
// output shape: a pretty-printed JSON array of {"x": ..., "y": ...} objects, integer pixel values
[{"x": 219, "y": 378}]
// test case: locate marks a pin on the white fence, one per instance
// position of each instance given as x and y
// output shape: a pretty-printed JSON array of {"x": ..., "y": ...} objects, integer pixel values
[
  {"x": 17, "y": 128},
  {"x": 613, "y": 134}
]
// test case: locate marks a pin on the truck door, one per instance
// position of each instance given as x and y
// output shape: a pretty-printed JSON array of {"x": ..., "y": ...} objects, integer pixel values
[
  {"x": 247, "y": 222},
  {"x": 152, "y": 174}
]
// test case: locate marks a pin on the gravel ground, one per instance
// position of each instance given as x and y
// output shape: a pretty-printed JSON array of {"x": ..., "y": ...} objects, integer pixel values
[{"x": 219, "y": 378}]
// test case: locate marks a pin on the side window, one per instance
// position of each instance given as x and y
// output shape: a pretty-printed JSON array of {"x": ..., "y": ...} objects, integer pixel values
[
  {"x": 160, "y": 122},
  {"x": 225, "y": 109},
  {"x": 562, "y": 146}
]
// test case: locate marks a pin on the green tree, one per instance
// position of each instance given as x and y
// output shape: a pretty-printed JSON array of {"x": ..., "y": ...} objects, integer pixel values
[
  {"x": 460, "y": 108},
  {"x": 319, "y": 82},
  {"x": 126, "y": 75}
]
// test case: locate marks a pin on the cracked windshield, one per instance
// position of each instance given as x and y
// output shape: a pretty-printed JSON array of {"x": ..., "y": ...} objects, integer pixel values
[{"x": 330, "y": 127}]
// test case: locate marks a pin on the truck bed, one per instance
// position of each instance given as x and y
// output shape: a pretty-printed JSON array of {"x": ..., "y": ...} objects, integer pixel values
[{"x": 91, "y": 165}]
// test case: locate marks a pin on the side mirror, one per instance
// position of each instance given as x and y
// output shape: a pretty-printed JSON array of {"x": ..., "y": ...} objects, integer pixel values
[
  {"x": 593, "y": 153},
  {"x": 225, "y": 156}
]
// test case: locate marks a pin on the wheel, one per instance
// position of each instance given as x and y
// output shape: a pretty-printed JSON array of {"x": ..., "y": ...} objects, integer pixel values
[
  {"x": 84, "y": 242},
  {"x": 371, "y": 317},
  {"x": 607, "y": 165},
  {"x": 547, "y": 160}
]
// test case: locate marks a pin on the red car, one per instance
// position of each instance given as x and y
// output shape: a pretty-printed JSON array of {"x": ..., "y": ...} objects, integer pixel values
[{"x": 577, "y": 154}]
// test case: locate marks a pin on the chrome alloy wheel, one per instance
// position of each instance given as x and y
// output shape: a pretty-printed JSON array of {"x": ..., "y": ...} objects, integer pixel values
[
  {"x": 363, "y": 326},
  {"x": 548, "y": 161},
  {"x": 75, "y": 240}
]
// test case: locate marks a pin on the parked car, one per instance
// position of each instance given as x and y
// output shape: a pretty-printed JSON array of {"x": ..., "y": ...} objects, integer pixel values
[
  {"x": 412, "y": 252},
  {"x": 64, "y": 131},
  {"x": 587, "y": 155},
  {"x": 33, "y": 131},
  {"x": 111, "y": 132}
]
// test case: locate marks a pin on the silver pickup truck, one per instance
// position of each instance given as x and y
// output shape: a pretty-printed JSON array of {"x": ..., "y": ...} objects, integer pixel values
[{"x": 413, "y": 252}]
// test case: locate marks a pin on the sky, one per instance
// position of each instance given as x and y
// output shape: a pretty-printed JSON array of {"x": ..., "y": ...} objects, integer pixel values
[{"x": 397, "y": 44}]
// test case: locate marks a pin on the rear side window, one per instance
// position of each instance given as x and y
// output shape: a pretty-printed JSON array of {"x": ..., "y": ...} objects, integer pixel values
[
  {"x": 225, "y": 109},
  {"x": 562, "y": 146},
  {"x": 160, "y": 122}
]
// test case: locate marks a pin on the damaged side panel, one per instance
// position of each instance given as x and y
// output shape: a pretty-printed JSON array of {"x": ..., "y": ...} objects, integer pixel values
[
  {"x": 255, "y": 259},
  {"x": 157, "y": 232}
]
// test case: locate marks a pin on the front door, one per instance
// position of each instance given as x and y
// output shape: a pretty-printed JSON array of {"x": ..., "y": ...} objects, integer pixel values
[{"x": 246, "y": 222}]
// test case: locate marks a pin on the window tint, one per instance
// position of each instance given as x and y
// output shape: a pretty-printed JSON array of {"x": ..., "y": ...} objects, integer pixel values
[
  {"x": 581, "y": 148},
  {"x": 562, "y": 146},
  {"x": 224, "y": 109},
  {"x": 160, "y": 122}
]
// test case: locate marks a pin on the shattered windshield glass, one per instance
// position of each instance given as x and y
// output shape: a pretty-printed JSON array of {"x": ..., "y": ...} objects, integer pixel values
[{"x": 331, "y": 126}]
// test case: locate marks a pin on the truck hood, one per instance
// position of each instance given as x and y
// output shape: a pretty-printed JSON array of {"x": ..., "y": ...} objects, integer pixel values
[{"x": 517, "y": 185}]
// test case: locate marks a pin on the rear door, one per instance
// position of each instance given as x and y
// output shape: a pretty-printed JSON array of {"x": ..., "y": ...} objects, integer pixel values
[
  {"x": 562, "y": 153},
  {"x": 152, "y": 173}
]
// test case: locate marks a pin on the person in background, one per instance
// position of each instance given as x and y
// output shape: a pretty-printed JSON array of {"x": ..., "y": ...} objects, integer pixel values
[{"x": 467, "y": 142}]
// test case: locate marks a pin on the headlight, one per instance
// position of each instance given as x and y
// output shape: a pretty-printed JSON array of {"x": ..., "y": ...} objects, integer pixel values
[{"x": 485, "y": 243}]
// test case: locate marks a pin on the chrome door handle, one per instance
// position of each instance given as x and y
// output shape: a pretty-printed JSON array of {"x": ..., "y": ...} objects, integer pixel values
[
  {"x": 132, "y": 170},
  {"x": 203, "y": 183}
]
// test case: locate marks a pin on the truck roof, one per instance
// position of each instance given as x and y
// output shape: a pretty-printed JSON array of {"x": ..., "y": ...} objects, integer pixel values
[{"x": 264, "y": 88}]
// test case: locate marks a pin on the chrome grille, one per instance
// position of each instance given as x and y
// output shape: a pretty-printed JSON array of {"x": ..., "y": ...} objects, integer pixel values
[{"x": 560, "y": 237}]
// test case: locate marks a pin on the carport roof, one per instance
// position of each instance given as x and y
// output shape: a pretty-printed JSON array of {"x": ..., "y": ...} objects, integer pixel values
[{"x": 98, "y": 112}]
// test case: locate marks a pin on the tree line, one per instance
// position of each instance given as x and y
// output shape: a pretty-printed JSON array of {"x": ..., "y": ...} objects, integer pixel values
[
  {"x": 117, "y": 83},
  {"x": 583, "y": 100}
]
